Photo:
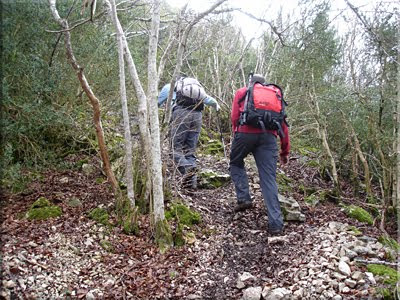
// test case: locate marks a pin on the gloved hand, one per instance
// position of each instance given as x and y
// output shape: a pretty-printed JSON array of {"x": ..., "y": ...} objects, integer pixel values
[
  {"x": 284, "y": 159},
  {"x": 217, "y": 107}
]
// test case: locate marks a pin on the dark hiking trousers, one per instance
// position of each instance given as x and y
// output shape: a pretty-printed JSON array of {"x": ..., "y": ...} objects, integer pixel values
[
  {"x": 264, "y": 148},
  {"x": 185, "y": 132}
]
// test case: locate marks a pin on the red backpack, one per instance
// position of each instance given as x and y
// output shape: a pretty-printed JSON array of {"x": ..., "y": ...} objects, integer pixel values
[{"x": 264, "y": 107}]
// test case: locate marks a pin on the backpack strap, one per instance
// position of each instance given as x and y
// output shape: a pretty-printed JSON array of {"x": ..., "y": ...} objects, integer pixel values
[{"x": 243, "y": 97}]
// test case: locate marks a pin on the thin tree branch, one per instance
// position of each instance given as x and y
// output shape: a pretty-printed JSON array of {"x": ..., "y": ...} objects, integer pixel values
[
  {"x": 80, "y": 23},
  {"x": 274, "y": 28}
]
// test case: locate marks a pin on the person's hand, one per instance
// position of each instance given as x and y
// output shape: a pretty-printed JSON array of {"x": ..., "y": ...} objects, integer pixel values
[
  {"x": 217, "y": 107},
  {"x": 284, "y": 159}
]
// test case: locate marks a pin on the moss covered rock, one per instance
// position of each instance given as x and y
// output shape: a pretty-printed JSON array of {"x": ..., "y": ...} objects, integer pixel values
[
  {"x": 210, "y": 179},
  {"x": 183, "y": 214},
  {"x": 389, "y": 242},
  {"x": 354, "y": 230},
  {"x": 42, "y": 209},
  {"x": 213, "y": 147},
  {"x": 100, "y": 215},
  {"x": 392, "y": 247},
  {"x": 41, "y": 202},
  {"x": 291, "y": 210},
  {"x": 359, "y": 214},
  {"x": 389, "y": 275},
  {"x": 184, "y": 218},
  {"x": 44, "y": 213},
  {"x": 204, "y": 138}
]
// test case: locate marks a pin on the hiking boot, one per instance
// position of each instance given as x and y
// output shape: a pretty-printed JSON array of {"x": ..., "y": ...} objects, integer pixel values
[
  {"x": 182, "y": 170},
  {"x": 189, "y": 180},
  {"x": 275, "y": 232},
  {"x": 243, "y": 206}
]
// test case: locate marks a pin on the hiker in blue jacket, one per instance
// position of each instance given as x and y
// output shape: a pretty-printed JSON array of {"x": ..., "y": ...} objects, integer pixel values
[{"x": 186, "y": 121}]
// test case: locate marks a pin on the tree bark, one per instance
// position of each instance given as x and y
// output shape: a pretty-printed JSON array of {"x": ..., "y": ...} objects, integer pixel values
[
  {"x": 150, "y": 133},
  {"x": 92, "y": 98},
  {"x": 152, "y": 75},
  {"x": 397, "y": 179},
  {"x": 357, "y": 146},
  {"x": 124, "y": 104},
  {"x": 140, "y": 94},
  {"x": 321, "y": 128}
]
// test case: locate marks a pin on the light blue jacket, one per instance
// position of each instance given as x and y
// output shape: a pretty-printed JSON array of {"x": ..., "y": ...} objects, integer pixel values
[{"x": 162, "y": 97}]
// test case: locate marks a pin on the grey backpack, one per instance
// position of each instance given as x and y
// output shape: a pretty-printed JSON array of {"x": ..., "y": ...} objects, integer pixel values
[{"x": 190, "y": 88}]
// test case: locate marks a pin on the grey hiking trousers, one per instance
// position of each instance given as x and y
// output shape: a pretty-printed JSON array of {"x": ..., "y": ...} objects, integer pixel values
[
  {"x": 185, "y": 132},
  {"x": 264, "y": 148}
]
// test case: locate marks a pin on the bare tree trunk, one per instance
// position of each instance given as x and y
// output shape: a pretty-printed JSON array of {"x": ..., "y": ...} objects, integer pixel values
[
  {"x": 321, "y": 128},
  {"x": 124, "y": 103},
  {"x": 142, "y": 101},
  {"x": 93, "y": 99},
  {"x": 397, "y": 179},
  {"x": 150, "y": 136},
  {"x": 357, "y": 146},
  {"x": 156, "y": 166}
]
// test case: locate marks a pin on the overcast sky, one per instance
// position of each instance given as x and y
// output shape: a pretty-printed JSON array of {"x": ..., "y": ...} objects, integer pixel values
[{"x": 263, "y": 9}]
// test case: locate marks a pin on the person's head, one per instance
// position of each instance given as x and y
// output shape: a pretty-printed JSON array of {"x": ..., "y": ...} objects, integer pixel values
[{"x": 257, "y": 78}]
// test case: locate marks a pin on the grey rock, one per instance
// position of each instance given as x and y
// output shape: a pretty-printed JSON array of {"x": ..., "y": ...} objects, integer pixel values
[
  {"x": 344, "y": 268},
  {"x": 277, "y": 294},
  {"x": 64, "y": 180},
  {"x": 298, "y": 294},
  {"x": 194, "y": 296},
  {"x": 342, "y": 285},
  {"x": 9, "y": 284},
  {"x": 367, "y": 239},
  {"x": 252, "y": 293},
  {"x": 278, "y": 239},
  {"x": 90, "y": 296},
  {"x": 351, "y": 254},
  {"x": 350, "y": 283},
  {"x": 370, "y": 277},
  {"x": 361, "y": 250},
  {"x": 246, "y": 276},
  {"x": 290, "y": 205},
  {"x": 357, "y": 275}
]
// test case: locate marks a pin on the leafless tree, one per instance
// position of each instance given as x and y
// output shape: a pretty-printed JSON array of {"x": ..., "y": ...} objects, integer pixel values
[
  {"x": 92, "y": 98},
  {"x": 124, "y": 104}
]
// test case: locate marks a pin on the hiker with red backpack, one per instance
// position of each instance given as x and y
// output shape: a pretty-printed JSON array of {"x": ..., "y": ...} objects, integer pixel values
[
  {"x": 258, "y": 118},
  {"x": 189, "y": 98}
]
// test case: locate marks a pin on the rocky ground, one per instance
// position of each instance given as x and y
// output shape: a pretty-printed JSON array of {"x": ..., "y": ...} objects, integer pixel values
[{"x": 231, "y": 256}]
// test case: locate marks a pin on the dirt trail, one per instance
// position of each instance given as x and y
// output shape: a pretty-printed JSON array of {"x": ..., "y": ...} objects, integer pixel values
[{"x": 66, "y": 256}]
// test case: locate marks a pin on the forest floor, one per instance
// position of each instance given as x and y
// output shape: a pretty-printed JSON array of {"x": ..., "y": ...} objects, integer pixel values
[{"x": 72, "y": 256}]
